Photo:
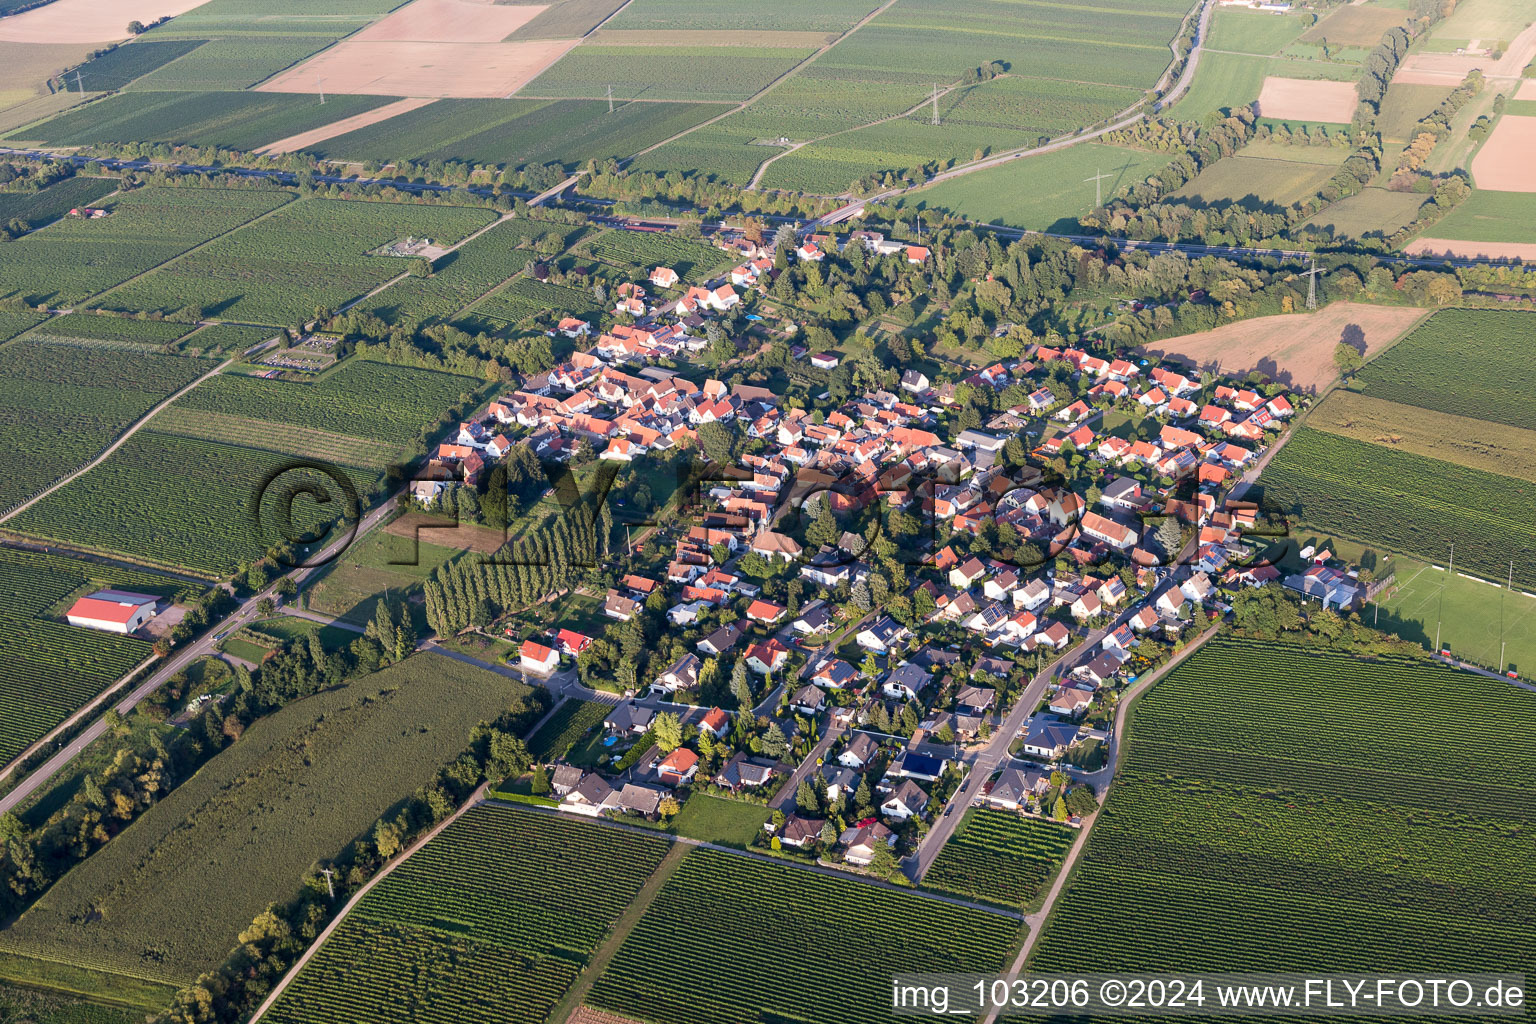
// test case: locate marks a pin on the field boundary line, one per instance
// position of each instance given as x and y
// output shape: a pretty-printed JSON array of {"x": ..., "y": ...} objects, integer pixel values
[
  {"x": 598, "y": 962},
  {"x": 818, "y": 869},
  {"x": 133, "y": 428},
  {"x": 765, "y": 90},
  {"x": 1036, "y": 921},
  {"x": 475, "y": 799}
]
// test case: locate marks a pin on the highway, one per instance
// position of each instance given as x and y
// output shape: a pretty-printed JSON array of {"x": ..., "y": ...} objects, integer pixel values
[{"x": 243, "y": 615}]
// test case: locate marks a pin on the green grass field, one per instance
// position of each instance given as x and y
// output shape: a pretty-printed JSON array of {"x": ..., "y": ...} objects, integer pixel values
[
  {"x": 1489, "y": 217},
  {"x": 1317, "y": 813},
  {"x": 1476, "y": 620},
  {"x": 1040, "y": 192},
  {"x": 231, "y": 64},
  {"x": 376, "y": 566},
  {"x": 167, "y": 898},
  {"x": 1405, "y": 104},
  {"x": 1264, "y": 182},
  {"x": 714, "y": 819},
  {"x": 1369, "y": 212}
]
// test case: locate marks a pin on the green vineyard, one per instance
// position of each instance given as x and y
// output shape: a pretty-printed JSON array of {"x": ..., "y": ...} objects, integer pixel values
[
  {"x": 185, "y": 502},
  {"x": 1496, "y": 385},
  {"x": 1406, "y": 502},
  {"x": 567, "y": 725},
  {"x": 52, "y": 668},
  {"x": 1290, "y": 809},
  {"x": 748, "y": 941},
  {"x": 999, "y": 857},
  {"x": 61, "y": 405},
  {"x": 493, "y": 919}
]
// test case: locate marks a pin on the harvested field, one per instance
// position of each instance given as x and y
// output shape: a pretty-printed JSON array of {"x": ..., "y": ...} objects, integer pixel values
[
  {"x": 1295, "y": 348},
  {"x": 1354, "y": 26},
  {"x": 1477, "y": 444},
  {"x": 303, "y": 140},
  {"x": 423, "y": 69},
  {"x": 1507, "y": 161},
  {"x": 1429, "y": 68},
  {"x": 449, "y": 21},
  {"x": 440, "y": 532},
  {"x": 1492, "y": 250},
  {"x": 87, "y": 21},
  {"x": 1527, "y": 90},
  {"x": 1299, "y": 99}
]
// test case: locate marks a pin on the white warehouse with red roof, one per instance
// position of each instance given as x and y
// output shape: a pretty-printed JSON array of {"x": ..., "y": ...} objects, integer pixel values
[{"x": 115, "y": 611}]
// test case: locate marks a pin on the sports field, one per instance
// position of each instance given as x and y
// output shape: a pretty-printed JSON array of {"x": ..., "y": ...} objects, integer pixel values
[{"x": 1475, "y": 618}]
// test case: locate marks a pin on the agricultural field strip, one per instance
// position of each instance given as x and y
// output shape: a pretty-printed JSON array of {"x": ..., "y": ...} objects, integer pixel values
[
  {"x": 1233, "y": 814},
  {"x": 73, "y": 259},
  {"x": 279, "y": 271},
  {"x": 1484, "y": 445},
  {"x": 55, "y": 412},
  {"x": 531, "y": 894},
  {"x": 1404, "y": 502},
  {"x": 1495, "y": 386},
  {"x": 765, "y": 90},
  {"x": 301, "y": 784},
  {"x": 728, "y": 902}
]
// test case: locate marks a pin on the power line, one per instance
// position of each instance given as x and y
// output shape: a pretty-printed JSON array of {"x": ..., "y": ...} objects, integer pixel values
[
  {"x": 935, "y": 102},
  {"x": 610, "y": 99},
  {"x": 1312, "y": 272},
  {"x": 1440, "y": 614},
  {"x": 1509, "y": 585},
  {"x": 1098, "y": 187}
]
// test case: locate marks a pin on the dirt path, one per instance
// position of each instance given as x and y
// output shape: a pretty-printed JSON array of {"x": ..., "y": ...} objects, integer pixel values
[
  {"x": 114, "y": 446},
  {"x": 341, "y": 127},
  {"x": 1036, "y": 921},
  {"x": 762, "y": 168},
  {"x": 293, "y": 972},
  {"x": 570, "y": 1004}
]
